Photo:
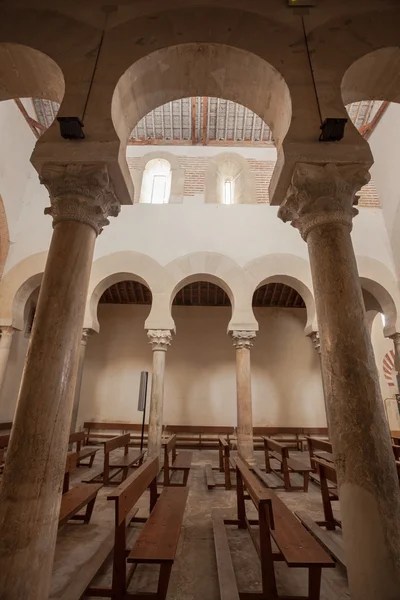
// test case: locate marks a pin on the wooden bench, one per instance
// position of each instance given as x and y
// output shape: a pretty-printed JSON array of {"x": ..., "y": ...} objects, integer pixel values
[
  {"x": 327, "y": 474},
  {"x": 98, "y": 431},
  {"x": 279, "y": 452},
  {"x": 121, "y": 464},
  {"x": 85, "y": 452},
  {"x": 179, "y": 462},
  {"x": 295, "y": 546},
  {"x": 199, "y": 436},
  {"x": 76, "y": 498},
  {"x": 224, "y": 448},
  {"x": 158, "y": 540}
]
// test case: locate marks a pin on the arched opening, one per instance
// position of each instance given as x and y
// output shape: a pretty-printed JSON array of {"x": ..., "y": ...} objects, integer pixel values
[
  {"x": 116, "y": 355},
  {"x": 200, "y": 379},
  {"x": 262, "y": 87},
  {"x": 156, "y": 182},
  {"x": 223, "y": 152},
  {"x": 285, "y": 366}
]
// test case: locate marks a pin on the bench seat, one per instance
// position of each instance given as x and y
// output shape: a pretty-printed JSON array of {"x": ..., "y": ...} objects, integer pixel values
[
  {"x": 127, "y": 460},
  {"x": 158, "y": 541},
  {"x": 87, "y": 453},
  {"x": 183, "y": 462},
  {"x": 297, "y": 466},
  {"x": 75, "y": 499}
]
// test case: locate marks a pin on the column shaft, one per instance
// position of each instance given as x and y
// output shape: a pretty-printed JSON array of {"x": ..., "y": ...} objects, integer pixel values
[
  {"x": 31, "y": 489},
  {"x": 320, "y": 204},
  {"x": 30, "y": 495},
  {"x": 160, "y": 340},
  {"x": 244, "y": 404},
  {"x": 156, "y": 404},
  {"x": 243, "y": 341},
  {"x": 369, "y": 490}
]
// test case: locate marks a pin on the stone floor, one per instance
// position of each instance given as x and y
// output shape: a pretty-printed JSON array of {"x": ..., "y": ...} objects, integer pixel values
[{"x": 194, "y": 575}]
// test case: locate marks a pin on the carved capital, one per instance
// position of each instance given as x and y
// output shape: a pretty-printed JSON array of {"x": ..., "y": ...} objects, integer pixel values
[
  {"x": 314, "y": 337},
  {"x": 159, "y": 339},
  {"x": 243, "y": 339},
  {"x": 80, "y": 192},
  {"x": 323, "y": 194}
]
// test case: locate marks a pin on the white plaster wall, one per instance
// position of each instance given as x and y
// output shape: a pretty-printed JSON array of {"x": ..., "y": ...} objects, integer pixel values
[
  {"x": 385, "y": 146},
  {"x": 268, "y": 153},
  {"x": 200, "y": 384}
]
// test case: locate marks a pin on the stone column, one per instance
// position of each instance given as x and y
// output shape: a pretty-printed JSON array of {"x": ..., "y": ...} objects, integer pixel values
[
  {"x": 320, "y": 205},
  {"x": 7, "y": 333},
  {"x": 243, "y": 341},
  {"x": 159, "y": 340},
  {"x": 396, "y": 342},
  {"x": 82, "y": 351},
  {"x": 81, "y": 200}
]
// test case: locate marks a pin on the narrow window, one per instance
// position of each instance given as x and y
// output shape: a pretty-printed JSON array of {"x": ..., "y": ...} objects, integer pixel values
[
  {"x": 158, "y": 191},
  {"x": 228, "y": 195}
]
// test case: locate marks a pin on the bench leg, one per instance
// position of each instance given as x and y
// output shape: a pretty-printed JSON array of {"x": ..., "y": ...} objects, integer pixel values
[
  {"x": 89, "y": 510},
  {"x": 306, "y": 476},
  {"x": 314, "y": 583},
  {"x": 91, "y": 461},
  {"x": 163, "y": 580}
]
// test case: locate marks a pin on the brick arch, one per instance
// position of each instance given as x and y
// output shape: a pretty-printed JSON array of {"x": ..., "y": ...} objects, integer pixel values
[{"x": 4, "y": 237}]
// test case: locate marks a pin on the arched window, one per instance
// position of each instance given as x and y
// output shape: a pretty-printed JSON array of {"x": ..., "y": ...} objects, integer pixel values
[
  {"x": 228, "y": 192},
  {"x": 156, "y": 182}
]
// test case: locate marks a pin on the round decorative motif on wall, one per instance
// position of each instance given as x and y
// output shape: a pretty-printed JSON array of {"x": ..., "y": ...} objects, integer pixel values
[{"x": 388, "y": 367}]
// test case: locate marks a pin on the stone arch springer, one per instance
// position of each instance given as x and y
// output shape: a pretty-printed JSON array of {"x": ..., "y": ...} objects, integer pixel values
[
  {"x": 16, "y": 287},
  {"x": 380, "y": 282},
  {"x": 221, "y": 270},
  {"x": 129, "y": 265},
  {"x": 290, "y": 270}
]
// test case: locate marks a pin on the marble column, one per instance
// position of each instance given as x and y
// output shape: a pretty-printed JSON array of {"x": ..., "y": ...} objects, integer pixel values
[
  {"x": 82, "y": 351},
  {"x": 396, "y": 343},
  {"x": 320, "y": 204},
  {"x": 243, "y": 341},
  {"x": 7, "y": 333},
  {"x": 160, "y": 340},
  {"x": 81, "y": 199}
]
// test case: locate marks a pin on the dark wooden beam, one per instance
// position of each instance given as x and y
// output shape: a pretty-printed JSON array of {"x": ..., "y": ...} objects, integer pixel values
[
  {"x": 366, "y": 130},
  {"x": 35, "y": 126},
  {"x": 194, "y": 137},
  {"x": 205, "y": 119}
]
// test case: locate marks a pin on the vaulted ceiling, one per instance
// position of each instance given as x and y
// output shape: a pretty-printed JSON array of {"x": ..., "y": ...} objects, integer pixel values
[{"x": 203, "y": 120}]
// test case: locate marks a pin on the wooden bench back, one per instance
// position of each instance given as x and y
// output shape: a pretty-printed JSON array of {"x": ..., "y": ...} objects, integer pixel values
[
  {"x": 259, "y": 494},
  {"x": 326, "y": 470},
  {"x": 276, "y": 447},
  {"x": 5, "y": 426},
  {"x": 4, "y": 441},
  {"x": 315, "y": 444},
  {"x": 104, "y": 426},
  {"x": 214, "y": 429},
  {"x": 119, "y": 441},
  {"x": 128, "y": 493},
  {"x": 169, "y": 443}
]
